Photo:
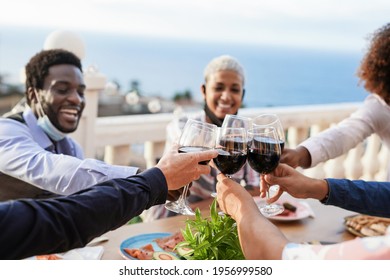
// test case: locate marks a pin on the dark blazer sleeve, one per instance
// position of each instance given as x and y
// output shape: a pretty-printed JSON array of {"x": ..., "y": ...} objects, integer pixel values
[{"x": 34, "y": 227}]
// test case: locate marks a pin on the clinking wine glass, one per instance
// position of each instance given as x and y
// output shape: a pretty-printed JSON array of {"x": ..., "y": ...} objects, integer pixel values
[
  {"x": 196, "y": 136},
  {"x": 264, "y": 153},
  {"x": 235, "y": 121},
  {"x": 231, "y": 144},
  {"x": 272, "y": 120}
]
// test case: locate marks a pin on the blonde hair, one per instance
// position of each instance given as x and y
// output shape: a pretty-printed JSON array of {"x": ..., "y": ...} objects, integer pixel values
[{"x": 221, "y": 63}]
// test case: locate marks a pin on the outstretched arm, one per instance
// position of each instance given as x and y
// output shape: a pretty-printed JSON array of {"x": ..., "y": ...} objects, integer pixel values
[
  {"x": 259, "y": 238},
  {"x": 33, "y": 227}
]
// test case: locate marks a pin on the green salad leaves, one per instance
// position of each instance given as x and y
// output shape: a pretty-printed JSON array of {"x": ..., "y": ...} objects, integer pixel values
[{"x": 212, "y": 238}]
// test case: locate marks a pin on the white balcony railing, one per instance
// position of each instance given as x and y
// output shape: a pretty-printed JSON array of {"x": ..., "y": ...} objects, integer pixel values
[{"x": 139, "y": 139}]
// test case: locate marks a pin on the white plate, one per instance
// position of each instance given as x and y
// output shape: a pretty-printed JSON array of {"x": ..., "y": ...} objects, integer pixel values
[
  {"x": 84, "y": 253},
  {"x": 303, "y": 211}
]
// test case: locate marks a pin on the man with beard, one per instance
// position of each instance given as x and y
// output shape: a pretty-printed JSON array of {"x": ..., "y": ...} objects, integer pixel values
[{"x": 37, "y": 158}]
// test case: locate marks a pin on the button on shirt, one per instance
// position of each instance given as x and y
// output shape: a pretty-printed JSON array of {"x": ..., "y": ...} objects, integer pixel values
[{"x": 28, "y": 154}]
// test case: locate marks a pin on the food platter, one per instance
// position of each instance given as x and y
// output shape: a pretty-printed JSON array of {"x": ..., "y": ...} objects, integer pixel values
[
  {"x": 153, "y": 246},
  {"x": 365, "y": 225},
  {"x": 140, "y": 241}
]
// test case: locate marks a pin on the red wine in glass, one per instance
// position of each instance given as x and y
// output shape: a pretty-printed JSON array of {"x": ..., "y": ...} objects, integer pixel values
[
  {"x": 196, "y": 136},
  {"x": 231, "y": 144},
  {"x": 191, "y": 149},
  {"x": 281, "y": 143},
  {"x": 265, "y": 158},
  {"x": 229, "y": 162},
  {"x": 264, "y": 153}
]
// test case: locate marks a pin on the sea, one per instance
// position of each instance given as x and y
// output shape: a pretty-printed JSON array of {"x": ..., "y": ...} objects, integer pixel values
[{"x": 275, "y": 75}]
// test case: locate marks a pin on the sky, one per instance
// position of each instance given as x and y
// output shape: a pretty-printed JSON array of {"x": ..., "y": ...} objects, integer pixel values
[
  {"x": 320, "y": 24},
  {"x": 330, "y": 25}
]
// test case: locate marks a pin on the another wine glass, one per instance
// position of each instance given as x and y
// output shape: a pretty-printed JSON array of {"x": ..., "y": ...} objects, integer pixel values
[
  {"x": 264, "y": 153},
  {"x": 273, "y": 120},
  {"x": 237, "y": 121},
  {"x": 231, "y": 145},
  {"x": 196, "y": 136}
]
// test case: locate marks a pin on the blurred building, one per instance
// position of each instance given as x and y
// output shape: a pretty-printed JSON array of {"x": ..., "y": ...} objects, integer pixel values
[{"x": 112, "y": 102}]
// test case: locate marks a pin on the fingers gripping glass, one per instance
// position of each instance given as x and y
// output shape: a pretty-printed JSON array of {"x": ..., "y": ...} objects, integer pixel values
[{"x": 196, "y": 136}]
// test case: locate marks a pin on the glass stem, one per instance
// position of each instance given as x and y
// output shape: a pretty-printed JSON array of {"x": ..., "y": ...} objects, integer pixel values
[
  {"x": 183, "y": 196},
  {"x": 268, "y": 196}
]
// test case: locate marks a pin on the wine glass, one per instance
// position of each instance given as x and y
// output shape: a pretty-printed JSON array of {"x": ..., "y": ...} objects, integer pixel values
[
  {"x": 265, "y": 120},
  {"x": 234, "y": 121},
  {"x": 264, "y": 153},
  {"x": 237, "y": 121},
  {"x": 231, "y": 144},
  {"x": 196, "y": 136}
]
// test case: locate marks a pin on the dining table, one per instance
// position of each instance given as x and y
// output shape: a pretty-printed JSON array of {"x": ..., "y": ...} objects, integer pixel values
[{"x": 324, "y": 225}]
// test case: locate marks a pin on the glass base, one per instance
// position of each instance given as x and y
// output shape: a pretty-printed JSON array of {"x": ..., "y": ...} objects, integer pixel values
[
  {"x": 270, "y": 210},
  {"x": 179, "y": 208}
]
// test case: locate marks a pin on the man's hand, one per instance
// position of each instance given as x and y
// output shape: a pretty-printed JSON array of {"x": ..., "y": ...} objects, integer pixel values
[
  {"x": 296, "y": 157},
  {"x": 182, "y": 168},
  {"x": 231, "y": 196},
  {"x": 293, "y": 182}
]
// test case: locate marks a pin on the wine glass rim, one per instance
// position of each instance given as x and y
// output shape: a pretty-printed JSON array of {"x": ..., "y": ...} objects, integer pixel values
[
  {"x": 245, "y": 120},
  {"x": 262, "y": 130},
  {"x": 201, "y": 123},
  {"x": 238, "y": 116},
  {"x": 273, "y": 121},
  {"x": 267, "y": 114}
]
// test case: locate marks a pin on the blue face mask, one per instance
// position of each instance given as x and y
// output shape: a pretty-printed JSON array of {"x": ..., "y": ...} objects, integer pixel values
[
  {"x": 46, "y": 125},
  {"x": 50, "y": 129}
]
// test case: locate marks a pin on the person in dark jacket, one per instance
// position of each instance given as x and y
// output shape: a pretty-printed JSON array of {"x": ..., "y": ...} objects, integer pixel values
[{"x": 31, "y": 227}]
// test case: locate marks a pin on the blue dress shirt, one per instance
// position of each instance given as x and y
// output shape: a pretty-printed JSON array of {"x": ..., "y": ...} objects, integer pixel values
[{"x": 28, "y": 154}]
